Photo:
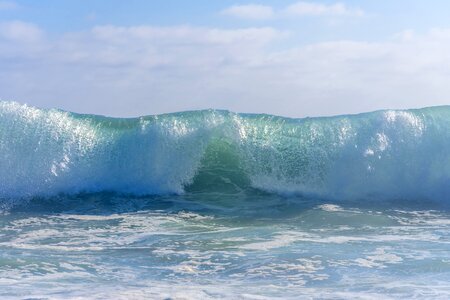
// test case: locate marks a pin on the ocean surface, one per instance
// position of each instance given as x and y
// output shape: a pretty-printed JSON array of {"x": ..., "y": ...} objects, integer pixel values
[{"x": 217, "y": 205}]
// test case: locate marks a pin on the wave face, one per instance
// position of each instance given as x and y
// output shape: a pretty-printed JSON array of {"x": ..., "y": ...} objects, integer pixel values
[{"x": 381, "y": 155}]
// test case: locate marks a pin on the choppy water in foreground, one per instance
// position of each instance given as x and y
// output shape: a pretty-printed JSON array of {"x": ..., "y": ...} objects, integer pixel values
[
  {"x": 213, "y": 204},
  {"x": 207, "y": 246}
]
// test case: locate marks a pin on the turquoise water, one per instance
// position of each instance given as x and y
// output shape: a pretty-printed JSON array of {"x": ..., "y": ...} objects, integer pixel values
[{"x": 212, "y": 205}]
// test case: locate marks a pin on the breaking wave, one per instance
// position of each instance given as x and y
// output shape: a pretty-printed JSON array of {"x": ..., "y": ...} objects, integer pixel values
[{"x": 382, "y": 155}]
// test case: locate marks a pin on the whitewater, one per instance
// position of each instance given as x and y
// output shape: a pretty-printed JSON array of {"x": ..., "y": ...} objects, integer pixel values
[{"x": 213, "y": 204}]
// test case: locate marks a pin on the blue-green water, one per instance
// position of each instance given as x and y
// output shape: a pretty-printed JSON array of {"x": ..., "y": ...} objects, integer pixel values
[
  {"x": 213, "y": 205},
  {"x": 213, "y": 247}
]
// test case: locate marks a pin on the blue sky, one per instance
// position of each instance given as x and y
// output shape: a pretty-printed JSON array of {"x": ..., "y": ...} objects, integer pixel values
[{"x": 293, "y": 58}]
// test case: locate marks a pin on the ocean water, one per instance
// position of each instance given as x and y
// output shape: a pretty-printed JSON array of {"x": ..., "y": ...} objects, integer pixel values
[{"x": 217, "y": 205}]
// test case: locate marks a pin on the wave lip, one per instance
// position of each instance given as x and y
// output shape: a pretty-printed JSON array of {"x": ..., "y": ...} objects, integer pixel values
[{"x": 384, "y": 154}]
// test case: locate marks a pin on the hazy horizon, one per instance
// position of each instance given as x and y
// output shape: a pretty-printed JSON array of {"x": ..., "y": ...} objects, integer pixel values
[{"x": 227, "y": 110}]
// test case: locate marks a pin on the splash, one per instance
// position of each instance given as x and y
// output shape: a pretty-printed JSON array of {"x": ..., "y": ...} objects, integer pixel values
[{"x": 380, "y": 155}]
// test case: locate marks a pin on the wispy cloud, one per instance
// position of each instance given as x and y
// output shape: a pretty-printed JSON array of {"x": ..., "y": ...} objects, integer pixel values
[
  {"x": 144, "y": 69},
  {"x": 8, "y": 5},
  {"x": 264, "y": 12},
  {"x": 250, "y": 11},
  {"x": 164, "y": 47},
  {"x": 20, "y": 31},
  {"x": 317, "y": 9}
]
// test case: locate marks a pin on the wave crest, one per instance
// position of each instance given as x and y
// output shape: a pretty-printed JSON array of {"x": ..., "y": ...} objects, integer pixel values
[{"x": 383, "y": 154}]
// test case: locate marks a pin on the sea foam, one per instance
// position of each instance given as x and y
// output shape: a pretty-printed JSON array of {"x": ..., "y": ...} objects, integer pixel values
[{"x": 393, "y": 154}]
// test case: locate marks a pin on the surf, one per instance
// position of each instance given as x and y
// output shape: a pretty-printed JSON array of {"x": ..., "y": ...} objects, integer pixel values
[{"x": 390, "y": 154}]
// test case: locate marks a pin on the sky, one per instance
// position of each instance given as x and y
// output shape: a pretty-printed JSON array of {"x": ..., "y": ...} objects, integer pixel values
[{"x": 290, "y": 58}]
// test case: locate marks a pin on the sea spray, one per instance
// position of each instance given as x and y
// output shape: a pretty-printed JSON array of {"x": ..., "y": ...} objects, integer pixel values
[{"x": 379, "y": 155}]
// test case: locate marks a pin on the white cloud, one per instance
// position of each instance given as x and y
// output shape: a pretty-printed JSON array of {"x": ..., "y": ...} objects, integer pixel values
[
  {"x": 250, "y": 11},
  {"x": 8, "y": 5},
  {"x": 264, "y": 12},
  {"x": 148, "y": 47},
  {"x": 317, "y": 9},
  {"x": 20, "y": 31},
  {"x": 126, "y": 71}
]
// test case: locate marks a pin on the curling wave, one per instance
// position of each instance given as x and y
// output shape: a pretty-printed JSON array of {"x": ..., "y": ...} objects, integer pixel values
[{"x": 383, "y": 155}]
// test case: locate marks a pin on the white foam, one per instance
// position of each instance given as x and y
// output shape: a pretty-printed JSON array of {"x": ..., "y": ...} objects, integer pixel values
[{"x": 379, "y": 155}]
